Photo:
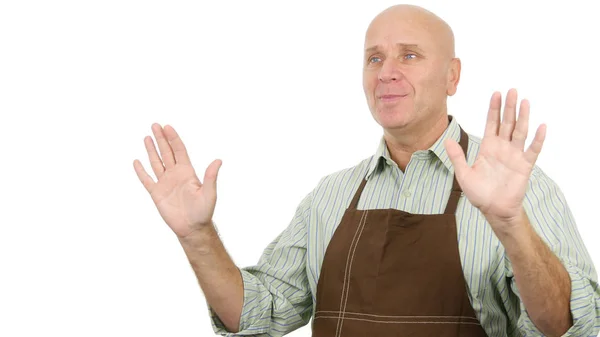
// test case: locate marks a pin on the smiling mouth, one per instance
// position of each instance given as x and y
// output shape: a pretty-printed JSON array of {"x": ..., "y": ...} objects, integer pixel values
[{"x": 390, "y": 98}]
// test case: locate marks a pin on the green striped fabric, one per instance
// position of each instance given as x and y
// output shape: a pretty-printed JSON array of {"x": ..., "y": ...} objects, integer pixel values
[{"x": 279, "y": 291}]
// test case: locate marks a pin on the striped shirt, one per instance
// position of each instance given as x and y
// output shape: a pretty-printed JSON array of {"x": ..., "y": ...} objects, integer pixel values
[{"x": 280, "y": 290}]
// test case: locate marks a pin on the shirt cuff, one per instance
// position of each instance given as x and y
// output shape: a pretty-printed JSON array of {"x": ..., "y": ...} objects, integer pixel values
[
  {"x": 253, "y": 321},
  {"x": 583, "y": 308}
]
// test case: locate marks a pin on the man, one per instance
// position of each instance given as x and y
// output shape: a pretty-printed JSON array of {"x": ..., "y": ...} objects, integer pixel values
[{"x": 440, "y": 233}]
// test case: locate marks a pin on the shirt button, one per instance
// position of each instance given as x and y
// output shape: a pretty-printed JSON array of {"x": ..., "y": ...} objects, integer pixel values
[{"x": 406, "y": 193}]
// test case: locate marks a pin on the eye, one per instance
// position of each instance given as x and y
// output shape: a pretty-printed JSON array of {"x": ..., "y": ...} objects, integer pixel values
[
  {"x": 410, "y": 56},
  {"x": 374, "y": 59}
]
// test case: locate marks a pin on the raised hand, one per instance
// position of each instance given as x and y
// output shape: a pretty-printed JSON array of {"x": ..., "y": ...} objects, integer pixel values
[
  {"x": 498, "y": 179},
  {"x": 183, "y": 201}
]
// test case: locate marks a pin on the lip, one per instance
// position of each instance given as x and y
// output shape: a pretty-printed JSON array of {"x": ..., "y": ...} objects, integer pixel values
[{"x": 390, "y": 97}]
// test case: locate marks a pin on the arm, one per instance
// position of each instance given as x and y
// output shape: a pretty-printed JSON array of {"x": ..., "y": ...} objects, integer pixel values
[
  {"x": 276, "y": 294},
  {"x": 271, "y": 298},
  {"x": 549, "y": 277},
  {"x": 549, "y": 267},
  {"x": 543, "y": 282},
  {"x": 218, "y": 276}
]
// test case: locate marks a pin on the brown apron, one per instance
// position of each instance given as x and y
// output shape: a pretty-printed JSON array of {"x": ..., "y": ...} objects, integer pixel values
[{"x": 391, "y": 273}]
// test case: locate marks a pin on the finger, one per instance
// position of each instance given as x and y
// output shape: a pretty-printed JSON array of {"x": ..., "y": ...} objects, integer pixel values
[
  {"x": 534, "y": 150},
  {"x": 210, "y": 177},
  {"x": 493, "y": 118},
  {"x": 163, "y": 145},
  {"x": 155, "y": 161},
  {"x": 179, "y": 150},
  {"x": 144, "y": 177},
  {"x": 522, "y": 128},
  {"x": 457, "y": 157},
  {"x": 509, "y": 119}
]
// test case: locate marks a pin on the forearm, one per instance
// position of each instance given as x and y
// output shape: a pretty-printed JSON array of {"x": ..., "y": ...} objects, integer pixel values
[
  {"x": 543, "y": 282},
  {"x": 218, "y": 276}
]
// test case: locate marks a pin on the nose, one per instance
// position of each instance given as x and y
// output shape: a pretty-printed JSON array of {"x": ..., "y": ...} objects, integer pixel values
[{"x": 390, "y": 71}]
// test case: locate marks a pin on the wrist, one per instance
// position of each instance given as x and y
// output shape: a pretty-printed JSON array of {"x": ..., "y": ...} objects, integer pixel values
[
  {"x": 517, "y": 237},
  {"x": 199, "y": 237},
  {"x": 509, "y": 227}
]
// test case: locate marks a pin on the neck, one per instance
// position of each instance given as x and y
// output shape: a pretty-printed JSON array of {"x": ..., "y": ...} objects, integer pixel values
[{"x": 403, "y": 143}]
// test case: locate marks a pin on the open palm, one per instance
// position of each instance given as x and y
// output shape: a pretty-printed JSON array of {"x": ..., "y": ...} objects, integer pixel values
[
  {"x": 182, "y": 200},
  {"x": 498, "y": 179}
]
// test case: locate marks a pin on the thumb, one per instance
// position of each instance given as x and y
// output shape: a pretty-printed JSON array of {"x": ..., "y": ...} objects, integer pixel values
[
  {"x": 457, "y": 157},
  {"x": 210, "y": 176}
]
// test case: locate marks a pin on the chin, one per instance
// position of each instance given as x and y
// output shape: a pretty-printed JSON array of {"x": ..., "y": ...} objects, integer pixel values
[{"x": 393, "y": 119}]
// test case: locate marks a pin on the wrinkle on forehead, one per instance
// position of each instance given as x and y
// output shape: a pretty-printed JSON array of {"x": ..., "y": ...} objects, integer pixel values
[{"x": 419, "y": 19}]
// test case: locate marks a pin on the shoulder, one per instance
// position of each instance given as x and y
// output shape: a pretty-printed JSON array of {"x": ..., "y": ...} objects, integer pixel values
[
  {"x": 344, "y": 175},
  {"x": 542, "y": 186},
  {"x": 547, "y": 207},
  {"x": 335, "y": 189}
]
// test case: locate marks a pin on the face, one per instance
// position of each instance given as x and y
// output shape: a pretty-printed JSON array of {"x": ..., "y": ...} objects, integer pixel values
[{"x": 408, "y": 71}]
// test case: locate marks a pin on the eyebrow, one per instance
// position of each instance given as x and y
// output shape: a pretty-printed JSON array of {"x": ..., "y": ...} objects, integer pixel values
[{"x": 401, "y": 45}]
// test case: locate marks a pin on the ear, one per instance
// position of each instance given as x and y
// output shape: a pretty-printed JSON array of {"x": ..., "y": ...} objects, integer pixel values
[{"x": 453, "y": 76}]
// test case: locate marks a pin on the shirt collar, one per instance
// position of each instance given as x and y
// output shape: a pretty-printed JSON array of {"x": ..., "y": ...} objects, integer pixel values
[{"x": 438, "y": 150}]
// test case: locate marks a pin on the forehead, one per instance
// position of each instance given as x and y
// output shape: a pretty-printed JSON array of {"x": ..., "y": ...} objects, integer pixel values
[{"x": 390, "y": 33}]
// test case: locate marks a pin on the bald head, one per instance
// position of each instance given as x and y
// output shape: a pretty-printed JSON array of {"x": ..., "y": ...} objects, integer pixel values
[
  {"x": 409, "y": 68},
  {"x": 412, "y": 19}
]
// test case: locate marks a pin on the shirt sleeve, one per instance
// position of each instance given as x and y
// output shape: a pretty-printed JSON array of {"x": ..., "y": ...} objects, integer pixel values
[
  {"x": 277, "y": 297},
  {"x": 552, "y": 219}
]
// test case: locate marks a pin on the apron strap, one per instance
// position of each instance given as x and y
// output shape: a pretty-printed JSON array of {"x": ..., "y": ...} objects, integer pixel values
[
  {"x": 354, "y": 203},
  {"x": 454, "y": 194},
  {"x": 456, "y": 190}
]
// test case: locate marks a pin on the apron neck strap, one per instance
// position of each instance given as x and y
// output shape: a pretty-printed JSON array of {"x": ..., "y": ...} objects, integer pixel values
[
  {"x": 354, "y": 203},
  {"x": 456, "y": 190}
]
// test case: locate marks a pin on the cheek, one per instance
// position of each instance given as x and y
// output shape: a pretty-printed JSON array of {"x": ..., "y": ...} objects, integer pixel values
[
  {"x": 429, "y": 83},
  {"x": 369, "y": 85},
  {"x": 369, "y": 77},
  {"x": 437, "y": 79}
]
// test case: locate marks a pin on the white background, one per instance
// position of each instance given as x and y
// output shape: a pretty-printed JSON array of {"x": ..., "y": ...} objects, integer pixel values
[{"x": 272, "y": 89}]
